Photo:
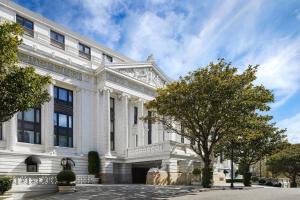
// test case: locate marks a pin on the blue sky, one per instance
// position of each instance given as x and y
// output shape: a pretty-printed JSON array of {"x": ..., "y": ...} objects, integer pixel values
[{"x": 185, "y": 35}]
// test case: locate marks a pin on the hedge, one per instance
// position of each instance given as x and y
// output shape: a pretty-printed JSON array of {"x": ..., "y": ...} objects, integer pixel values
[
  {"x": 5, "y": 184},
  {"x": 93, "y": 162}
]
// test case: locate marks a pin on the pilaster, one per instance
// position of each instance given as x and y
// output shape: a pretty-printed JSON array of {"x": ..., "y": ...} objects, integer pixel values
[
  {"x": 12, "y": 131},
  {"x": 141, "y": 128},
  {"x": 47, "y": 121},
  {"x": 125, "y": 119}
]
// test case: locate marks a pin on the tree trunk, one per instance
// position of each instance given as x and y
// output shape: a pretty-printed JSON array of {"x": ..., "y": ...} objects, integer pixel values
[
  {"x": 247, "y": 175},
  {"x": 294, "y": 183},
  {"x": 207, "y": 172}
]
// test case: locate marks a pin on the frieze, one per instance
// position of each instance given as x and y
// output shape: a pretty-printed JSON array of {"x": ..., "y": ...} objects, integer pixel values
[
  {"x": 31, "y": 60},
  {"x": 129, "y": 84}
]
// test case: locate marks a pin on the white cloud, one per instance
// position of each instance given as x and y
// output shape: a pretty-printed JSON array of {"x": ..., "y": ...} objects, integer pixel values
[
  {"x": 184, "y": 35},
  {"x": 293, "y": 128}
]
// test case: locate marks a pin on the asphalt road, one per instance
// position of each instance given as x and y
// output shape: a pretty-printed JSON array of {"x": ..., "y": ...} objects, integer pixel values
[{"x": 147, "y": 192}]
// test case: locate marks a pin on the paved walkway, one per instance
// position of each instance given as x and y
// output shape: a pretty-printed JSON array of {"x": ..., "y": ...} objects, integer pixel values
[{"x": 139, "y": 192}]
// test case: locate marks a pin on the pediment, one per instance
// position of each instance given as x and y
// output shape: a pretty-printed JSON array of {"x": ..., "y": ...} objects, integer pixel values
[{"x": 144, "y": 74}]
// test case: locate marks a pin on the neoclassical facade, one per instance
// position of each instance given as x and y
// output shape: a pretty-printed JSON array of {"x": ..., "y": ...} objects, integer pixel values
[{"x": 97, "y": 100}]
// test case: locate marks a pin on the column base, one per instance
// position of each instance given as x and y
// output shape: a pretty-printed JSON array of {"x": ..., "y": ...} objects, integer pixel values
[{"x": 107, "y": 178}]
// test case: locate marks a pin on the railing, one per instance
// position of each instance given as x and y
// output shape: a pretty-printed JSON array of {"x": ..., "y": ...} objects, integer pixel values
[{"x": 47, "y": 179}]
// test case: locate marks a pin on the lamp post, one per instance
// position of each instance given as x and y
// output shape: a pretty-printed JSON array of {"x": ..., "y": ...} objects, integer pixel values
[{"x": 231, "y": 173}]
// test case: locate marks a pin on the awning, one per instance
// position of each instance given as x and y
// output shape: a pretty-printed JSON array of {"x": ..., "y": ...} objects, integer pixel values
[{"x": 32, "y": 160}]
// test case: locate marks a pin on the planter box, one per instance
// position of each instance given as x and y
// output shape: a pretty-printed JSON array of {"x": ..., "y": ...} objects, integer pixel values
[{"x": 65, "y": 189}]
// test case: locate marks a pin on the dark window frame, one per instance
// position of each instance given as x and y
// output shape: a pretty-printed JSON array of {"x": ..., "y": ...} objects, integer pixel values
[
  {"x": 55, "y": 42},
  {"x": 112, "y": 121},
  {"x": 83, "y": 54},
  {"x": 149, "y": 128},
  {"x": 63, "y": 107},
  {"x": 36, "y": 127},
  {"x": 108, "y": 58},
  {"x": 22, "y": 21},
  {"x": 135, "y": 115},
  {"x": 36, "y": 168}
]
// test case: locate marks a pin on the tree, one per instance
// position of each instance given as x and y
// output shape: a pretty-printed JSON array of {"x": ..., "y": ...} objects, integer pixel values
[
  {"x": 253, "y": 140},
  {"x": 206, "y": 105},
  {"x": 286, "y": 162},
  {"x": 20, "y": 87}
]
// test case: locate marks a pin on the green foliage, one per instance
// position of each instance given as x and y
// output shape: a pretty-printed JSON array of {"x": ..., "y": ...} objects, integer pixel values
[
  {"x": 65, "y": 178},
  {"x": 20, "y": 87},
  {"x": 207, "y": 105},
  {"x": 286, "y": 162},
  {"x": 94, "y": 162},
  {"x": 5, "y": 184},
  {"x": 207, "y": 174},
  {"x": 262, "y": 181},
  {"x": 235, "y": 180},
  {"x": 196, "y": 171}
]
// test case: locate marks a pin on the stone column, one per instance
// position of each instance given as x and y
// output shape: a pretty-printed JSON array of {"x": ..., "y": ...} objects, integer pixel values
[
  {"x": 107, "y": 171},
  {"x": 77, "y": 119},
  {"x": 12, "y": 131},
  {"x": 47, "y": 121},
  {"x": 107, "y": 118},
  {"x": 141, "y": 128},
  {"x": 125, "y": 119}
]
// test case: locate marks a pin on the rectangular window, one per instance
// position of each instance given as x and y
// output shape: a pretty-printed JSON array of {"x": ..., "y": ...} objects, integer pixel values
[
  {"x": 112, "y": 124},
  {"x": 57, "y": 40},
  {"x": 29, "y": 126},
  {"x": 108, "y": 58},
  {"x": 149, "y": 128},
  {"x": 182, "y": 139},
  {"x": 26, "y": 24},
  {"x": 63, "y": 95},
  {"x": 1, "y": 131},
  {"x": 135, "y": 120},
  {"x": 63, "y": 117},
  {"x": 84, "y": 51}
]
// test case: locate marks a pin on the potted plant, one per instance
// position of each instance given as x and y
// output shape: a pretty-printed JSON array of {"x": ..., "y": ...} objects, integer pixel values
[
  {"x": 5, "y": 185},
  {"x": 66, "y": 181},
  {"x": 196, "y": 178}
]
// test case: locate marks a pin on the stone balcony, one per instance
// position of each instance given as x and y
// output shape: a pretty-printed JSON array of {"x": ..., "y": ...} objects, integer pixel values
[{"x": 158, "y": 151}]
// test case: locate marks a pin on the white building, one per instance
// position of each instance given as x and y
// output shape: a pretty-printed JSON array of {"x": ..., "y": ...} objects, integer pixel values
[{"x": 98, "y": 97}]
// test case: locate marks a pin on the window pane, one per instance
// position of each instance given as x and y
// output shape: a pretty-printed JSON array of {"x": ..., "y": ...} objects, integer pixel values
[
  {"x": 63, "y": 94},
  {"x": 20, "y": 115},
  {"x": 63, "y": 141},
  {"x": 28, "y": 24},
  {"x": 80, "y": 47},
  {"x": 70, "y": 96},
  {"x": 19, "y": 136},
  {"x": 29, "y": 115},
  {"x": 55, "y": 119},
  {"x": 70, "y": 122},
  {"x": 70, "y": 141},
  {"x": 55, "y": 92},
  {"x": 28, "y": 137},
  {"x": 62, "y": 120},
  {"x": 55, "y": 141},
  {"x": 37, "y": 115},
  {"x": 38, "y": 138}
]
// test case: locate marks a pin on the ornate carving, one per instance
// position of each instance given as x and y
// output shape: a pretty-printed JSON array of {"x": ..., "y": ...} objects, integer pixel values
[{"x": 145, "y": 74}]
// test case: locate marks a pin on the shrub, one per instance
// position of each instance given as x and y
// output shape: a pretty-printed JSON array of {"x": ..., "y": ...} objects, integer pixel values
[
  {"x": 278, "y": 184},
  {"x": 93, "y": 162},
  {"x": 196, "y": 171},
  {"x": 234, "y": 180},
  {"x": 207, "y": 175},
  {"x": 269, "y": 183},
  {"x": 5, "y": 184},
  {"x": 255, "y": 179},
  {"x": 262, "y": 181},
  {"x": 65, "y": 177}
]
